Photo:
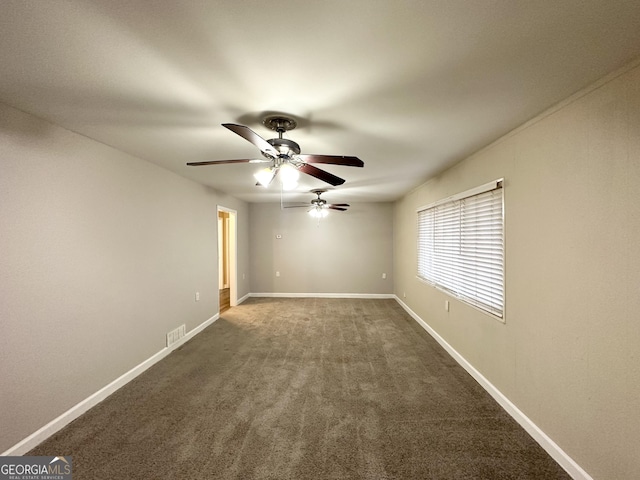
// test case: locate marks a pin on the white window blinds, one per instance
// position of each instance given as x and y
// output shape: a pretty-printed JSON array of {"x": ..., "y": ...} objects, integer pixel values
[{"x": 461, "y": 246}]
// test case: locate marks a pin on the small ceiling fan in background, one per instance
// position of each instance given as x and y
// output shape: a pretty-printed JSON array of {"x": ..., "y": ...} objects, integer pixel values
[
  {"x": 319, "y": 206},
  {"x": 284, "y": 155}
]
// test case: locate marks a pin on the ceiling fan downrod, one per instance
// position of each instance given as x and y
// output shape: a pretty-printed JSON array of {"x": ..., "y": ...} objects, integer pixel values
[{"x": 286, "y": 148}]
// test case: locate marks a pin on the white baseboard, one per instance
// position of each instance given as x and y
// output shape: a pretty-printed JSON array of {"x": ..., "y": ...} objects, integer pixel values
[
  {"x": 324, "y": 295},
  {"x": 192, "y": 333},
  {"x": 74, "y": 412},
  {"x": 240, "y": 300},
  {"x": 559, "y": 455}
]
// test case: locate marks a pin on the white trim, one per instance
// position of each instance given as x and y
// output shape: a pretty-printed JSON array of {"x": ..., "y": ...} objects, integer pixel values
[
  {"x": 324, "y": 295},
  {"x": 74, "y": 412},
  {"x": 243, "y": 298},
  {"x": 552, "y": 448},
  {"x": 233, "y": 254},
  {"x": 487, "y": 187}
]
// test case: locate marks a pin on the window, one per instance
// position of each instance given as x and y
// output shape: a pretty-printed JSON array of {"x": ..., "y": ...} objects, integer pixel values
[{"x": 461, "y": 246}]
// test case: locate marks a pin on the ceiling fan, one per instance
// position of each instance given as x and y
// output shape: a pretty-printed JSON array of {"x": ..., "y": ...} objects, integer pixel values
[
  {"x": 284, "y": 155},
  {"x": 319, "y": 206}
]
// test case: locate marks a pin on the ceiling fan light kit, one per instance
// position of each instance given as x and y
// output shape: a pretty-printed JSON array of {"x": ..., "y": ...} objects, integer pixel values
[
  {"x": 288, "y": 176},
  {"x": 265, "y": 176},
  {"x": 318, "y": 212}
]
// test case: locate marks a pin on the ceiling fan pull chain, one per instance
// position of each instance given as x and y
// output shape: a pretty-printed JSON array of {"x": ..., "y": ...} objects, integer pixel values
[{"x": 281, "y": 194}]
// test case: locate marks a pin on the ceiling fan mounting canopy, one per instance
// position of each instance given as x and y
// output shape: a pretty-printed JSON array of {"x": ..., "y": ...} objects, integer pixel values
[{"x": 279, "y": 123}]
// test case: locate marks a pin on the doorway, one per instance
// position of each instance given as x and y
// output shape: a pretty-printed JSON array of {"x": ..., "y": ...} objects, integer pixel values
[{"x": 227, "y": 258}]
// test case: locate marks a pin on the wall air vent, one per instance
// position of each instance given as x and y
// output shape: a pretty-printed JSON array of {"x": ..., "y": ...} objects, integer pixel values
[{"x": 174, "y": 335}]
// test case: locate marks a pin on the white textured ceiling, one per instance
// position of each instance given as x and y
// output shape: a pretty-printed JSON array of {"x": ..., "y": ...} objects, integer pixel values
[{"x": 410, "y": 87}]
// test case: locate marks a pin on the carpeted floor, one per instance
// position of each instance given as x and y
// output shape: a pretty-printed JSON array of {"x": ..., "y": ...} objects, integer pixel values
[{"x": 303, "y": 388}]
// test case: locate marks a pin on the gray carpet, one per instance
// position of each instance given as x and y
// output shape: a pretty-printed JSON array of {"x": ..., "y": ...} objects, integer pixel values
[{"x": 303, "y": 388}]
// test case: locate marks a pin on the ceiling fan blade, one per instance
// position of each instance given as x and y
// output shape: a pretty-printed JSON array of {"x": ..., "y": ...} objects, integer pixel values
[
  {"x": 297, "y": 206},
  {"x": 221, "y": 162},
  {"x": 332, "y": 159},
  {"x": 331, "y": 207},
  {"x": 339, "y": 205},
  {"x": 253, "y": 137},
  {"x": 321, "y": 174}
]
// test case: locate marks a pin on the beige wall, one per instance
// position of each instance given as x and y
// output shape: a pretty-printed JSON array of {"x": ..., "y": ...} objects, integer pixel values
[
  {"x": 569, "y": 353},
  {"x": 346, "y": 252},
  {"x": 100, "y": 255}
]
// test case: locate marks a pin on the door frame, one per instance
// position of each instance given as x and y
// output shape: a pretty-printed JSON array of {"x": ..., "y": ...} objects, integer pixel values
[{"x": 232, "y": 253}]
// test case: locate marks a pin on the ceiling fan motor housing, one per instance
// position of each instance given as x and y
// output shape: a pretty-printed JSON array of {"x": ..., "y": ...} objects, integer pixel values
[{"x": 285, "y": 146}]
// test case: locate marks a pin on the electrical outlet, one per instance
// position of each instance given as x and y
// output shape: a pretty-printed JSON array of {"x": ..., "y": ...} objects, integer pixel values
[
  {"x": 277, "y": 274},
  {"x": 197, "y": 296},
  {"x": 384, "y": 275},
  {"x": 404, "y": 294}
]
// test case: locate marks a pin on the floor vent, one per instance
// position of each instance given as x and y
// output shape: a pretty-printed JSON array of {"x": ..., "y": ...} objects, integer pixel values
[{"x": 174, "y": 335}]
